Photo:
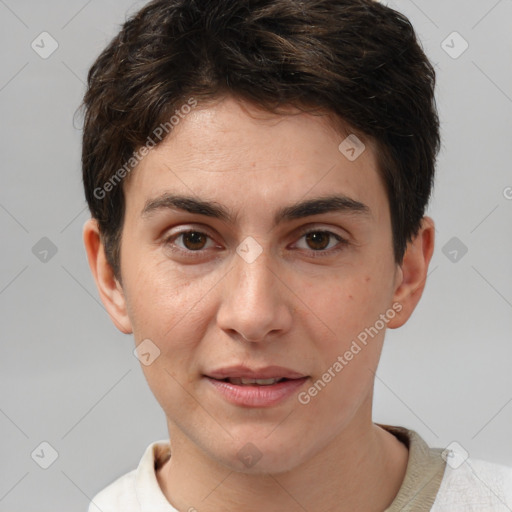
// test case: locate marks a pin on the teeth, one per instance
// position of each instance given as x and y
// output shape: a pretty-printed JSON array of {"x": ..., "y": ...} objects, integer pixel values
[{"x": 260, "y": 382}]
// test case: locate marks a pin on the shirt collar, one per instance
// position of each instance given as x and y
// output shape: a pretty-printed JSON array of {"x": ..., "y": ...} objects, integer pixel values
[{"x": 148, "y": 492}]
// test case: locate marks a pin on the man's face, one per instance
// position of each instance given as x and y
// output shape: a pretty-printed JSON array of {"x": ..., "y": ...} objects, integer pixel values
[{"x": 298, "y": 304}]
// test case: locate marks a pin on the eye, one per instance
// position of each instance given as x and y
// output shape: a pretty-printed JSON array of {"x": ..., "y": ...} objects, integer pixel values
[
  {"x": 321, "y": 241},
  {"x": 191, "y": 240},
  {"x": 317, "y": 242}
]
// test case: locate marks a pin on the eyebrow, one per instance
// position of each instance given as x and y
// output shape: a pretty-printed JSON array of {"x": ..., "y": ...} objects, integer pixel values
[{"x": 299, "y": 210}]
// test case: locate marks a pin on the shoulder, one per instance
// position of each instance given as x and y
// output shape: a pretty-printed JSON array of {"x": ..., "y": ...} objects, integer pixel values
[
  {"x": 475, "y": 485},
  {"x": 119, "y": 495}
]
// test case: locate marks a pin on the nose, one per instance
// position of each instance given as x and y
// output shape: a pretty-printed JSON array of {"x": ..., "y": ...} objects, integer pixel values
[{"x": 256, "y": 304}]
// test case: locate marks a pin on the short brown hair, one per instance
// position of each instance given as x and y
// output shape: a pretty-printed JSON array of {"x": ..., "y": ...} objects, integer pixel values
[{"x": 356, "y": 59}]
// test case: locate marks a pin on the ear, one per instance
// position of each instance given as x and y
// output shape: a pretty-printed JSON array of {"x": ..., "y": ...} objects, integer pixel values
[
  {"x": 109, "y": 288},
  {"x": 412, "y": 273}
]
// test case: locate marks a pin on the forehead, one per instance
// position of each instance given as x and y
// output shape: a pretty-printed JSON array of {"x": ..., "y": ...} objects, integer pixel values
[{"x": 237, "y": 155}]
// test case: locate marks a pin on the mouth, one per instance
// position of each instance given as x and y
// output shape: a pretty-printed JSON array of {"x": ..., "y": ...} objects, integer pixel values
[
  {"x": 256, "y": 388},
  {"x": 238, "y": 381},
  {"x": 244, "y": 375}
]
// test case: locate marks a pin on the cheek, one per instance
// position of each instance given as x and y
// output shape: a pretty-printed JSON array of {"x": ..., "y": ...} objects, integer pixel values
[
  {"x": 349, "y": 347},
  {"x": 349, "y": 310},
  {"x": 348, "y": 305},
  {"x": 173, "y": 317},
  {"x": 156, "y": 294},
  {"x": 170, "y": 315}
]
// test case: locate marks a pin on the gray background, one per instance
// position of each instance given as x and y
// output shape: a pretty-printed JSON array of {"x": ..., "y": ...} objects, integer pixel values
[{"x": 69, "y": 378}]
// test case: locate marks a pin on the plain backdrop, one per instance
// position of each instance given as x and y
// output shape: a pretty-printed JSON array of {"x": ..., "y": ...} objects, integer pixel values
[{"x": 69, "y": 379}]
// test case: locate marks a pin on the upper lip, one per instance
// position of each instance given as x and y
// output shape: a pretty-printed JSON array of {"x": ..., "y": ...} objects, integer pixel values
[{"x": 244, "y": 372}]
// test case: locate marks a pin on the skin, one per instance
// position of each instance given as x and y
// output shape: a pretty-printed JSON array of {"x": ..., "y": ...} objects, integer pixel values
[{"x": 286, "y": 308}]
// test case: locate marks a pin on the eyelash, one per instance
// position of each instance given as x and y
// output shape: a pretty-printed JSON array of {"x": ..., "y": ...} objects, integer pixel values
[{"x": 315, "y": 254}]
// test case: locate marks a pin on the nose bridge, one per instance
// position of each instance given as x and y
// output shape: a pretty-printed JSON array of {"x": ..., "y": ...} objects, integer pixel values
[
  {"x": 254, "y": 286},
  {"x": 253, "y": 273},
  {"x": 253, "y": 304}
]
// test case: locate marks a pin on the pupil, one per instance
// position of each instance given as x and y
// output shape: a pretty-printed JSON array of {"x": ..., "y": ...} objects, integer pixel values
[
  {"x": 315, "y": 240},
  {"x": 193, "y": 240}
]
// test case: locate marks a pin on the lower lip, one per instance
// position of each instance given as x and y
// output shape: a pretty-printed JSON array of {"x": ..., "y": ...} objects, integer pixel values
[{"x": 257, "y": 396}]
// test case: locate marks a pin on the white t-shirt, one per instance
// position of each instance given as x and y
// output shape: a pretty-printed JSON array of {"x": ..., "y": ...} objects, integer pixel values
[{"x": 430, "y": 484}]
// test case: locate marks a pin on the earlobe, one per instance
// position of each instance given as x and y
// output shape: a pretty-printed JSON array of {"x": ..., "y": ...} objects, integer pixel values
[
  {"x": 110, "y": 290},
  {"x": 412, "y": 274}
]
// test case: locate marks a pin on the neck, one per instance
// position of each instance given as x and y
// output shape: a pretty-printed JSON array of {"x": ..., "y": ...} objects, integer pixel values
[{"x": 362, "y": 457}]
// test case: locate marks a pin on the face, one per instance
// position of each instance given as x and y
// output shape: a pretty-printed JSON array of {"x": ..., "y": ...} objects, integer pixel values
[{"x": 253, "y": 270}]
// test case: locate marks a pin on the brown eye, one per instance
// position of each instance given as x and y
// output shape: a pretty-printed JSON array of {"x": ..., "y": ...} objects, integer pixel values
[
  {"x": 191, "y": 244},
  {"x": 194, "y": 240},
  {"x": 321, "y": 243},
  {"x": 318, "y": 240}
]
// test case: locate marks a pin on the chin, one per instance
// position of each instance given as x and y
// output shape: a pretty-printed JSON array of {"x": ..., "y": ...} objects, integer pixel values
[{"x": 259, "y": 457}]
